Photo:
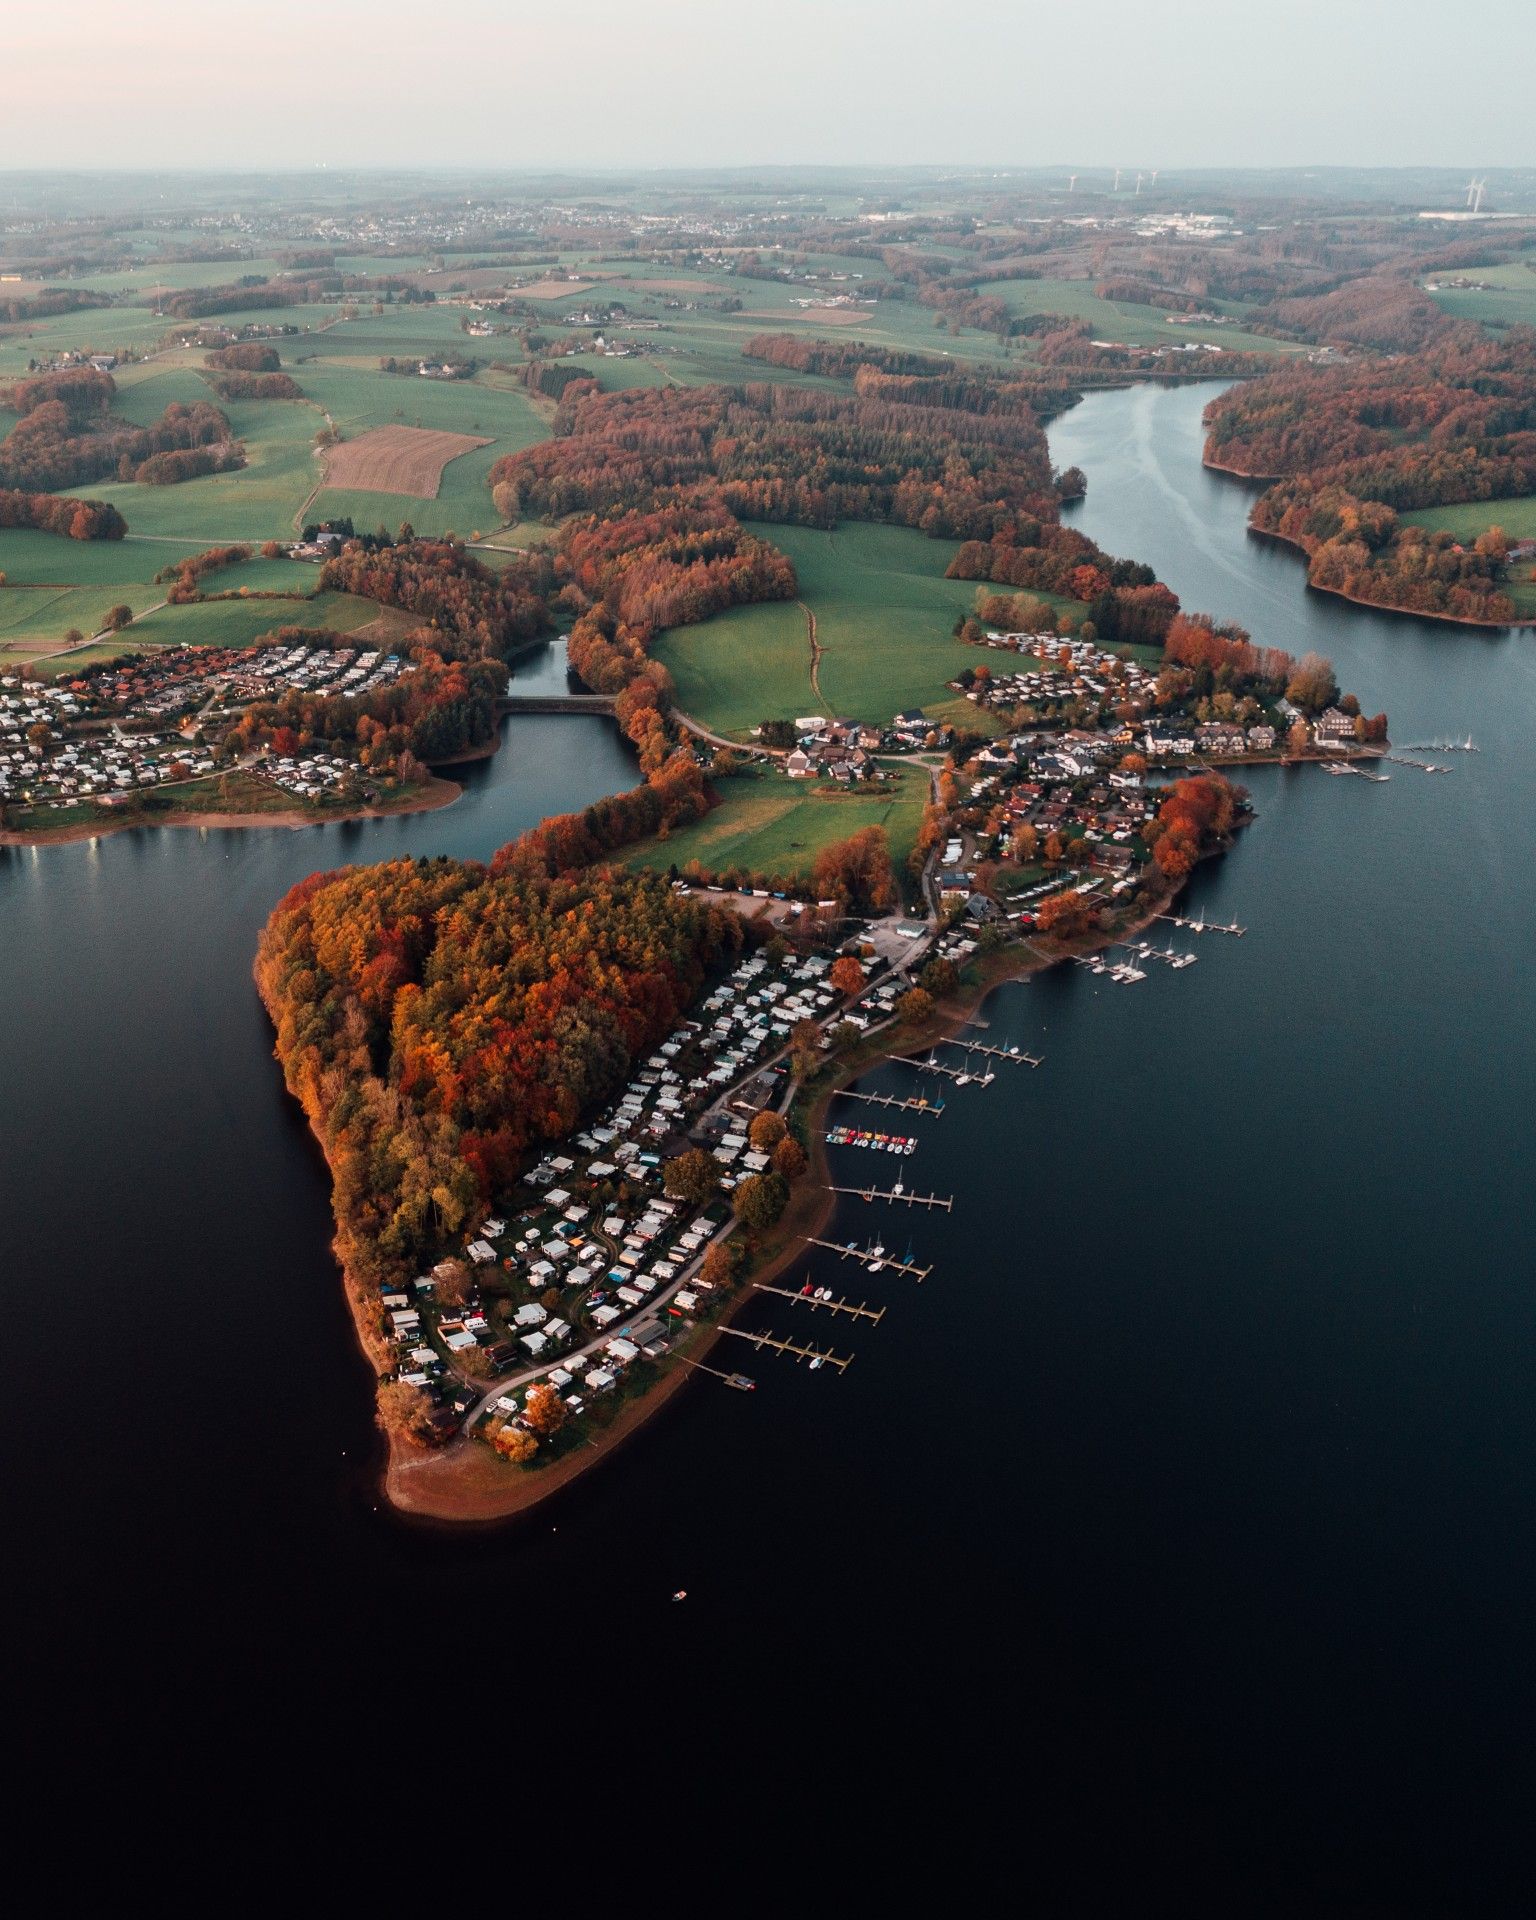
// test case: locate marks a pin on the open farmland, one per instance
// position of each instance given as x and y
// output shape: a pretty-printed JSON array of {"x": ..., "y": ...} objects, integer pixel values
[
  {"x": 771, "y": 824},
  {"x": 397, "y": 460}
]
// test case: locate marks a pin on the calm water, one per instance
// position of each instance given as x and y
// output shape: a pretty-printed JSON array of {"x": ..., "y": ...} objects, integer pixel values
[{"x": 1176, "y": 1533}]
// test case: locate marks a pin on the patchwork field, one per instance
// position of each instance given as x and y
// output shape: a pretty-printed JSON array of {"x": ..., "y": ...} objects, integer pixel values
[
  {"x": 884, "y": 614},
  {"x": 772, "y": 824},
  {"x": 397, "y": 460}
]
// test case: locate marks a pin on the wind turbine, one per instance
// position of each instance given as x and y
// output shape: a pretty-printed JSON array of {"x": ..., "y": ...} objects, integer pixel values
[
  {"x": 1116, "y": 187},
  {"x": 1138, "y": 183},
  {"x": 1477, "y": 198},
  {"x": 1154, "y": 176},
  {"x": 1071, "y": 183}
]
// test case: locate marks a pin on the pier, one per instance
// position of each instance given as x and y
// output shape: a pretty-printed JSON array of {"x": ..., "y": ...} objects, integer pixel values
[
  {"x": 958, "y": 1074},
  {"x": 920, "y": 1105},
  {"x": 1407, "y": 760},
  {"x": 1199, "y": 924},
  {"x": 898, "y": 1196},
  {"x": 1441, "y": 746},
  {"x": 1016, "y": 1054},
  {"x": 869, "y": 1259},
  {"x": 859, "y": 1312},
  {"x": 1338, "y": 768},
  {"x": 815, "y": 1355}
]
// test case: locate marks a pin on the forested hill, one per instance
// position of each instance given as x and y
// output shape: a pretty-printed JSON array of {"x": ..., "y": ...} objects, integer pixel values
[
  {"x": 1353, "y": 449},
  {"x": 436, "y": 1020}
]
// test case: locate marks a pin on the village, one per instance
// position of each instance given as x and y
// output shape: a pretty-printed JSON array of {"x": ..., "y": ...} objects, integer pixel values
[{"x": 101, "y": 736}]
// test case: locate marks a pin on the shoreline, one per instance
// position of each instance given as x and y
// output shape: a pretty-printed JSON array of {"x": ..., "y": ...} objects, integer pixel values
[
  {"x": 463, "y": 1484},
  {"x": 1383, "y": 606},
  {"x": 431, "y": 799}
]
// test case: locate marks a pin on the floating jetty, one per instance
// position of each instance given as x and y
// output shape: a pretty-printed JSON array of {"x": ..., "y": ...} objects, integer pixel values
[
  {"x": 874, "y": 1259},
  {"x": 808, "y": 1297},
  {"x": 898, "y": 1196},
  {"x": 1441, "y": 746},
  {"x": 876, "y": 1142},
  {"x": 816, "y": 1355},
  {"x": 1016, "y": 1054},
  {"x": 920, "y": 1105},
  {"x": 958, "y": 1074}
]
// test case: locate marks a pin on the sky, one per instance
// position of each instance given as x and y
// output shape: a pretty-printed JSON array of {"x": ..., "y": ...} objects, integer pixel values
[{"x": 510, "y": 85}]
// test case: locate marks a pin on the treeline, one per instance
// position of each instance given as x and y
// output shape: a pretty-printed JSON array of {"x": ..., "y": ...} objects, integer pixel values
[
  {"x": 248, "y": 356},
  {"x": 786, "y": 454},
  {"x": 67, "y": 436},
  {"x": 52, "y": 513},
  {"x": 474, "y": 613},
  {"x": 555, "y": 379},
  {"x": 438, "y": 1021},
  {"x": 255, "y": 386},
  {"x": 50, "y": 303},
  {"x": 838, "y": 359},
  {"x": 186, "y": 576}
]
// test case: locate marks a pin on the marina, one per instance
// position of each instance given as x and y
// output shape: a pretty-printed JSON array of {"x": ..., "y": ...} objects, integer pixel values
[{"x": 1340, "y": 768}]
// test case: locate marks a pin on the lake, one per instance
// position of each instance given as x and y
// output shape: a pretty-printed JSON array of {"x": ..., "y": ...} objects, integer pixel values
[{"x": 1177, "y": 1531}]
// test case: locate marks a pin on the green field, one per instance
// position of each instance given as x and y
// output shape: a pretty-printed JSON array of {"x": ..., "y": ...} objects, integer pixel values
[
  {"x": 1510, "y": 299},
  {"x": 236, "y": 623},
  {"x": 884, "y": 614},
  {"x": 1124, "y": 320},
  {"x": 1469, "y": 518},
  {"x": 771, "y": 824}
]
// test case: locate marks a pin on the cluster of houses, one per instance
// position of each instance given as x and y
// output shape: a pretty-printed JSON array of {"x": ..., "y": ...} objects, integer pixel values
[
  {"x": 1069, "y": 670},
  {"x": 844, "y": 749},
  {"x": 104, "y": 768},
  {"x": 103, "y": 740},
  {"x": 178, "y": 679},
  {"x": 308, "y": 776}
]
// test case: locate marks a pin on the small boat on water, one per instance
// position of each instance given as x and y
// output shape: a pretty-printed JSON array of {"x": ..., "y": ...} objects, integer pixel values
[
  {"x": 741, "y": 1382},
  {"x": 681, "y": 1594},
  {"x": 816, "y": 1363}
]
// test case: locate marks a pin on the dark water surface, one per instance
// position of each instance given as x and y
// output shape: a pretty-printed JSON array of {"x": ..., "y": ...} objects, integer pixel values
[{"x": 1174, "y": 1537}]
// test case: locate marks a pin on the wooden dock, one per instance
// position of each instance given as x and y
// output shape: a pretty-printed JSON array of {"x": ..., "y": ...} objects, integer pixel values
[
  {"x": 1014, "y": 1054},
  {"x": 872, "y": 1262},
  {"x": 900, "y": 1199},
  {"x": 1201, "y": 925},
  {"x": 774, "y": 1344},
  {"x": 1408, "y": 760},
  {"x": 957, "y": 1074},
  {"x": 859, "y": 1312},
  {"x": 924, "y": 1105}
]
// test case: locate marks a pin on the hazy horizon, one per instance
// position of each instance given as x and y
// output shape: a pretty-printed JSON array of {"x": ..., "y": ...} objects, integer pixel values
[{"x": 676, "y": 86}]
